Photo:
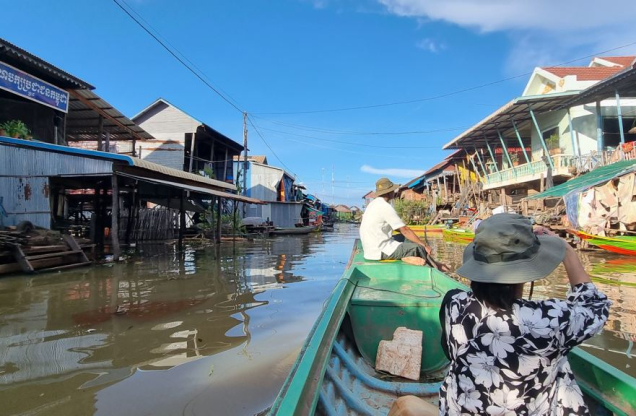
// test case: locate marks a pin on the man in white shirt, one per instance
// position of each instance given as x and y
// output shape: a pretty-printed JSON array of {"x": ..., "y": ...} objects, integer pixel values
[{"x": 379, "y": 221}]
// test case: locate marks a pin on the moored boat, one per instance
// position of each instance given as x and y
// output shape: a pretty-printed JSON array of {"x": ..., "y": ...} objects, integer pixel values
[
  {"x": 621, "y": 244},
  {"x": 459, "y": 234},
  {"x": 293, "y": 230},
  {"x": 334, "y": 373}
]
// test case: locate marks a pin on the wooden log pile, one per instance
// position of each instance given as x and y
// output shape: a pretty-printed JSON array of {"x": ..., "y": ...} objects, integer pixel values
[{"x": 40, "y": 250}]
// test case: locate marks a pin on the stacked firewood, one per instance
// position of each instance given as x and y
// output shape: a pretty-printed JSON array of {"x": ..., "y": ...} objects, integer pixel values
[{"x": 8, "y": 239}]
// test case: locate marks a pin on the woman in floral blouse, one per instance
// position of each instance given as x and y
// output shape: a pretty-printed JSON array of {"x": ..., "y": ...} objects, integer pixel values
[{"x": 509, "y": 355}]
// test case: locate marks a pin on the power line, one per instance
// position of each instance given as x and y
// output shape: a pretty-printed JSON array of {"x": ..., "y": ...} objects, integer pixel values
[
  {"x": 358, "y": 133},
  {"x": 267, "y": 144},
  {"x": 182, "y": 61},
  {"x": 353, "y": 151},
  {"x": 195, "y": 73},
  {"x": 437, "y": 97},
  {"x": 351, "y": 143}
]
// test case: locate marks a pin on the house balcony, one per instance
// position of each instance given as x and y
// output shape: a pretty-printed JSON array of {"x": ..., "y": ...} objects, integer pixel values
[{"x": 564, "y": 165}]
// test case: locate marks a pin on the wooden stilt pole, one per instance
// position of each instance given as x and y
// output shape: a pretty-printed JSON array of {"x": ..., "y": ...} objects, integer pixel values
[
  {"x": 114, "y": 228},
  {"x": 182, "y": 219},
  {"x": 218, "y": 219}
]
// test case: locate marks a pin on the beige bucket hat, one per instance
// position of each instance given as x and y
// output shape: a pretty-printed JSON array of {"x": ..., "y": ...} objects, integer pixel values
[
  {"x": 384, "y": 186},
  {"x": 506, "y": 251}
]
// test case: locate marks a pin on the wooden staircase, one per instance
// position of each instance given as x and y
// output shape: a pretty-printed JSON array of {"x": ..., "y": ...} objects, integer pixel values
[{"x": 51, "y": 258}]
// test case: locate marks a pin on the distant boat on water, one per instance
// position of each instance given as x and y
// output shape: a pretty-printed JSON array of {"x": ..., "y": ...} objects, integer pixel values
[{"x": 293, "y": 230}]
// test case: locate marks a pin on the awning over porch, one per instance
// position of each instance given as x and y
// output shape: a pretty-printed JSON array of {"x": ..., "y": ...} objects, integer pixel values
[
  {"x": 175, "y": 183},
  {"x": 501, "y": 121},
  {"x": 583, "y": 182}
]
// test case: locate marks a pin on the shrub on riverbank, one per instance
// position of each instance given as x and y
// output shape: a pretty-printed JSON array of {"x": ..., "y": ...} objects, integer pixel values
[{"x": 412, "y": 212}]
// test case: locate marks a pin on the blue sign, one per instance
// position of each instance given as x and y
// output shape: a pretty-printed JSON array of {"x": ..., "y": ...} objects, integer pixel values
[{"x": 32, "y": 88}]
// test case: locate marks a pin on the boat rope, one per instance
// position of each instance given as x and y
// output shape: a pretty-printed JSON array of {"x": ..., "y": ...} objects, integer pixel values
[{"x": 397, "y": 292}]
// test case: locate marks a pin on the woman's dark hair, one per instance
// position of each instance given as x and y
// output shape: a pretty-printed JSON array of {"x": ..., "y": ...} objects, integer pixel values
[{"x": 495, "y": 295}]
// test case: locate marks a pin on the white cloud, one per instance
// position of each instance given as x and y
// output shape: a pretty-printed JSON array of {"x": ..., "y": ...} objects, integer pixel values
[
  {"x": 430, "y": 45},
  {"x": 539, "y": 29},
  {"x": 394, "y": 172}
]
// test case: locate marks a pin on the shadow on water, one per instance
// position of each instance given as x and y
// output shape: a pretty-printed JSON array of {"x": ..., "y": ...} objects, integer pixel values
[{"x": 209, "y": 331}]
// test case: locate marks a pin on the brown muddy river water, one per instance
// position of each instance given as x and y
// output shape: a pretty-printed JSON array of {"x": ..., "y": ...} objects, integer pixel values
[{"x": 213, "y": 332}]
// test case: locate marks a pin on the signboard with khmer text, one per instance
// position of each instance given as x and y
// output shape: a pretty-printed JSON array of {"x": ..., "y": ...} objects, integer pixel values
[{"x": 32, "y": 88}]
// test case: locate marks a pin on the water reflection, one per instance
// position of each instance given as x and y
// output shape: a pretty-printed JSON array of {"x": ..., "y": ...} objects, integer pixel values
[
  {"x": 66, "y": 337},
  {"x": 208, "y": 331}
]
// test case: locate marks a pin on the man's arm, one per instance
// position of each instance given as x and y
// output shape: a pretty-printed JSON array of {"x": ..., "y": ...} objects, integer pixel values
[{"x": 411, "y": 236}]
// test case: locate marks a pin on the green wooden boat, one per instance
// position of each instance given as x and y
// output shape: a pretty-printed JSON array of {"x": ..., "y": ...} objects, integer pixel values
[
  {"x": 622, "y": 244},
  {"x": 459, "y": 234},
  {"x": 334, "y": 372}
]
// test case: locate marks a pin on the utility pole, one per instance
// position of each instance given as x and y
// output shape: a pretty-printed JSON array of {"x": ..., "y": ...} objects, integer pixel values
[
  {"x": 322, "y": 184},
  {"x": 333, "y": 196},
  {"x": 244, "y": 159}
]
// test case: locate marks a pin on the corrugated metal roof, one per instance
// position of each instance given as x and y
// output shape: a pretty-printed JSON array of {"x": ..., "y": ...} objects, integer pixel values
[
  {"x": 583, "y": 182},
  {"x": 82, "y": 121},
  {"x": 124, "y": 159},
  {"x": 517, "y": 109},
  {"x": 415, "y": 182},
  {"x": 155, "y": 167},
  {"x": 197, "y": 189},
  {"x": 39, "y": 67}
]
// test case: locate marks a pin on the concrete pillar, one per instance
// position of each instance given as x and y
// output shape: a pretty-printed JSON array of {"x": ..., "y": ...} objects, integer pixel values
[{"x": 600, "y": 145}]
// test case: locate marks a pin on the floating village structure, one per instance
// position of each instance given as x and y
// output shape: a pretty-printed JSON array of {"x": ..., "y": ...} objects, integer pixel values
[
  {"x": 568, "y": 121},
  {"x": 100, "y": 193},
  {"x": 277, "y": 188},
  {"x": 185, "y": 143},
  {"x": 543, "y": 136}
]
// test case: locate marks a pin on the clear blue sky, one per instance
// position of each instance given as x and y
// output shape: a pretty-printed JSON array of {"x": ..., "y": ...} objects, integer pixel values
[{"x": 282, "y": 56}]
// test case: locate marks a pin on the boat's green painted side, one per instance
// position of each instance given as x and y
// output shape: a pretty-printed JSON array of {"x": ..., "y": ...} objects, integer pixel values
[
  {"x": 367, "y": 294},
  {"x": 609, "y": 386},
  {"x": 459, "y": 234},
  {"x": 623, "y": 244}
]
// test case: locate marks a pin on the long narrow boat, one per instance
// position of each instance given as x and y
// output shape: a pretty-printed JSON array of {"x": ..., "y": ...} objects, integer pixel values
[
  {"x": 430, "y": 229},
  {"x": 334, "y": 373},
  {"x": 622, "y": 244},
  {"x": 425, "y": 230},
  {"x": 459, "y": 234},
  {"x": 293, "y": 230}
]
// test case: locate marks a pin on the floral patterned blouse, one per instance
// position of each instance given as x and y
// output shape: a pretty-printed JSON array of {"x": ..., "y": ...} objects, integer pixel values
[{"x": 514, "y": 362}]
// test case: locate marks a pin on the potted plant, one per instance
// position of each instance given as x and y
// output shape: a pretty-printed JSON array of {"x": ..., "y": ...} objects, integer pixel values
[
  {"x": 16, "y": 129},
  {"x": 514, "y": 158},
  {"x": 552, "y": 144}
]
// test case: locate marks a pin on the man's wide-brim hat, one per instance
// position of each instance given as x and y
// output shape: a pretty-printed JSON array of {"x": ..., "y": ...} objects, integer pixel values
[
  {"x": 384, "y": 186},
  {"x": 506, "y": 251}
]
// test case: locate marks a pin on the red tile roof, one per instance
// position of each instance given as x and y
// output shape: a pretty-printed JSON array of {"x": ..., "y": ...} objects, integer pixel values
[
  {"x": 583, "y": 73},
  {"x": 619, "y": 60}
]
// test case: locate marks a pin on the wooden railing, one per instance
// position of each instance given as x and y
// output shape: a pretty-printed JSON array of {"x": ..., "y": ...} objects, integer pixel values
[{"x": 563, "y": 165}]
